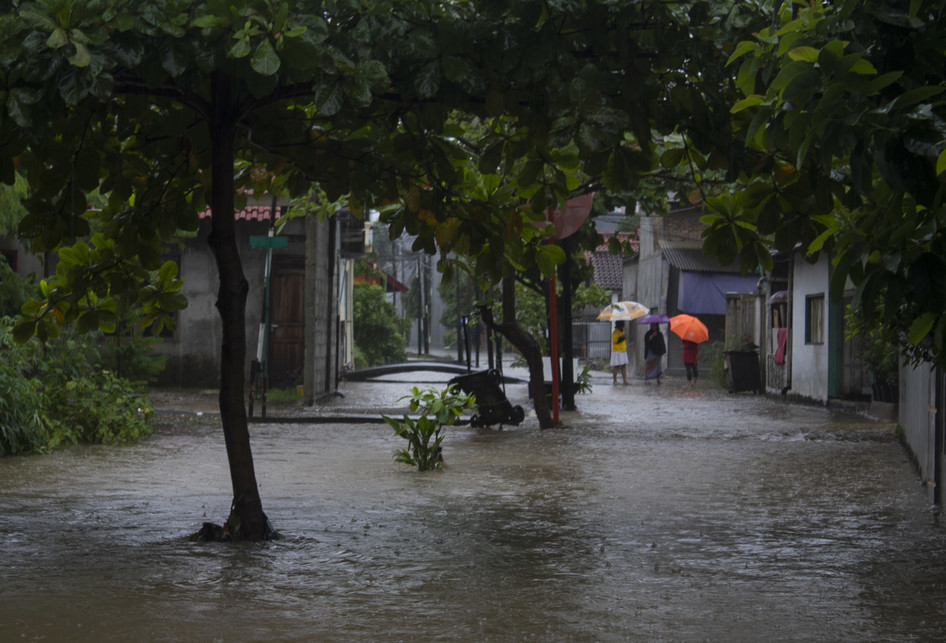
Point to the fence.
(591, 340)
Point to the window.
(814, 319)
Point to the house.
(824, 362)
(25, 263)
(670, 274)
(303, 332)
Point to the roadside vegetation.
(380, 334)
(73, 388)
(62, 393)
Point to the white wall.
(809, 361)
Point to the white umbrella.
(623, 311)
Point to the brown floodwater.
(653, 514)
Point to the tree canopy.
(837, 142)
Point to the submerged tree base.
(212, 532)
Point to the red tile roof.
(250, 213)
(609, 268)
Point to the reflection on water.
(652, 516)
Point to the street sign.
(260, 241)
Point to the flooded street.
(653, 514)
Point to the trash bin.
(743, 370)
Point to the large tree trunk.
(247, 510)
(528, 346)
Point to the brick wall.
(683, 225)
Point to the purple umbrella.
(654, 319)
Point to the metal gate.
(592, 340)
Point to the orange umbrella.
(689, 327)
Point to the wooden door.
(287, 337)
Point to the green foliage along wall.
(379, 332)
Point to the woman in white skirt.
(618, 353)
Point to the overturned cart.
(492, 407)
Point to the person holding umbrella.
(691, 360)
(692, 331)
(618, 353)
(654, 349)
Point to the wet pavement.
(654, 513)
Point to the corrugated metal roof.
(693, 259)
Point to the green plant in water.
(583, 381)
(424, 433)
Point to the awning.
(390, 282)
(394, 284)
(705, 292)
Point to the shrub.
(712, 357)
(379, 331)
(98, 409)
(82, 401)
(129, 353)
(21, 427)
(57, 393)
(14, 290)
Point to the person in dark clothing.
(691, 359)
(654, 349)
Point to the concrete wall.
(194, 349)
(646, 280)
(321, 311)
(809, 361)
(28, 264)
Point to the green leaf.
(208, 22)
(240, 49)
(921, 327)
(81, 57)
(746, 103)
(863, 67)
(742, 49)
(815, 246)
(787, 74)
(917, 95)
(941, 163)
(58, 38)
(671, 158)
(23, 331)
(427, 81)
(455, 69)
(265, 60)
(882, 81)
(807, 54)
(329, 99)
(547, 257)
